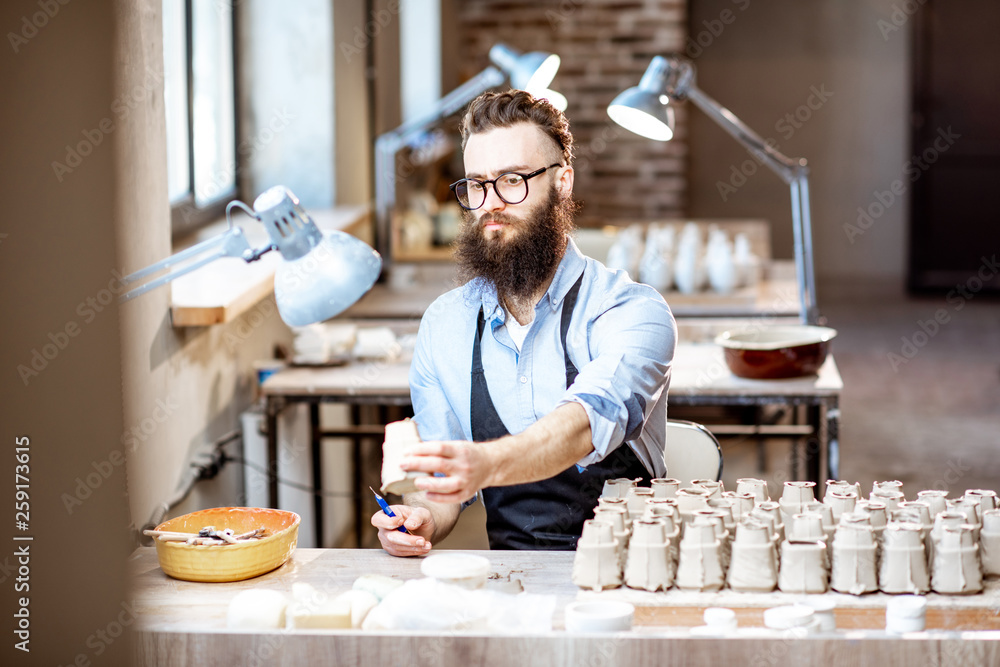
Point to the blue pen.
(385, 508)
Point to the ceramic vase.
(399, 438)
(840, 500)
(890, 485)
(617, 487)
(888, 497)
(755, 487)
(989, 543)
(957, 569)
(596, 564)
(936, 499)
(621, 525)
(636, 500)
(853, 559)
(970, 509)
(649, 566)
(922, 512)
(614, 501)
(700, 565)
(826, 515)
(753, 563)
(665, 487)
(794, 497)
(690, 499)
(803, 568)
(717, 519)
(986, 499)
(713, 486)
(742, 503)
(903, 568)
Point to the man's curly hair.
(493, 110)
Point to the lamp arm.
(231, 243)
(788, 169)
(794, 172)
(390, 143)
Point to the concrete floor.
(930, 419)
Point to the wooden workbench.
(183, 623)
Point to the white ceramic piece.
(712, 485)
(889, 497)
(906, 613)
(755, 487)
(636, 500)
(399, 437)
(465, 570)
(804, 567)
(840, 500)
(665, 487)
(796, 617)
(854, 560)
(719, 622)
(794, 497)
(656, 266)
(257, 609)
(602, 616)
(690, 499)
(903, 568)
(823, 608)
(891, 485)
(700, 564)
(986, 499)
(753, 563)
(936, 498)
(617, 487)
(989, 543)
(957, 568)
(649, 566)
(597, 564)
(612, 501)
(720, 266)
(742, 503)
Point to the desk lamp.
(323, 272)
(532, 72)
(645, 110)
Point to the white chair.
(691, 452)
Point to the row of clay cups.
(649, 562)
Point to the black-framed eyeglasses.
(511, 187)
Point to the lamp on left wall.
(323, 272)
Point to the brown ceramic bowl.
(770, 353)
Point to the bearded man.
(545, 374)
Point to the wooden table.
(183, 623)
(699, 377)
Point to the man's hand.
(418, 520)
(468, 467)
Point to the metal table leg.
(317, 470)
(273, 407)
(833, 438)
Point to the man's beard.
(516, 266)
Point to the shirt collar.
(570, 268)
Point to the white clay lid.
(788, 616)
(906, 606)
(459, 568)
(720, 617)
(604, 616)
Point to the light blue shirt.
(621, 338)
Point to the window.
(200, 102)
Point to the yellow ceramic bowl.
(231, 562)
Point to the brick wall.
(605, 46)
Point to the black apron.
(546, 515)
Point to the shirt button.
(523, 379)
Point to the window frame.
(185, 215)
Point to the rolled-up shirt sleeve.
(631, 343)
